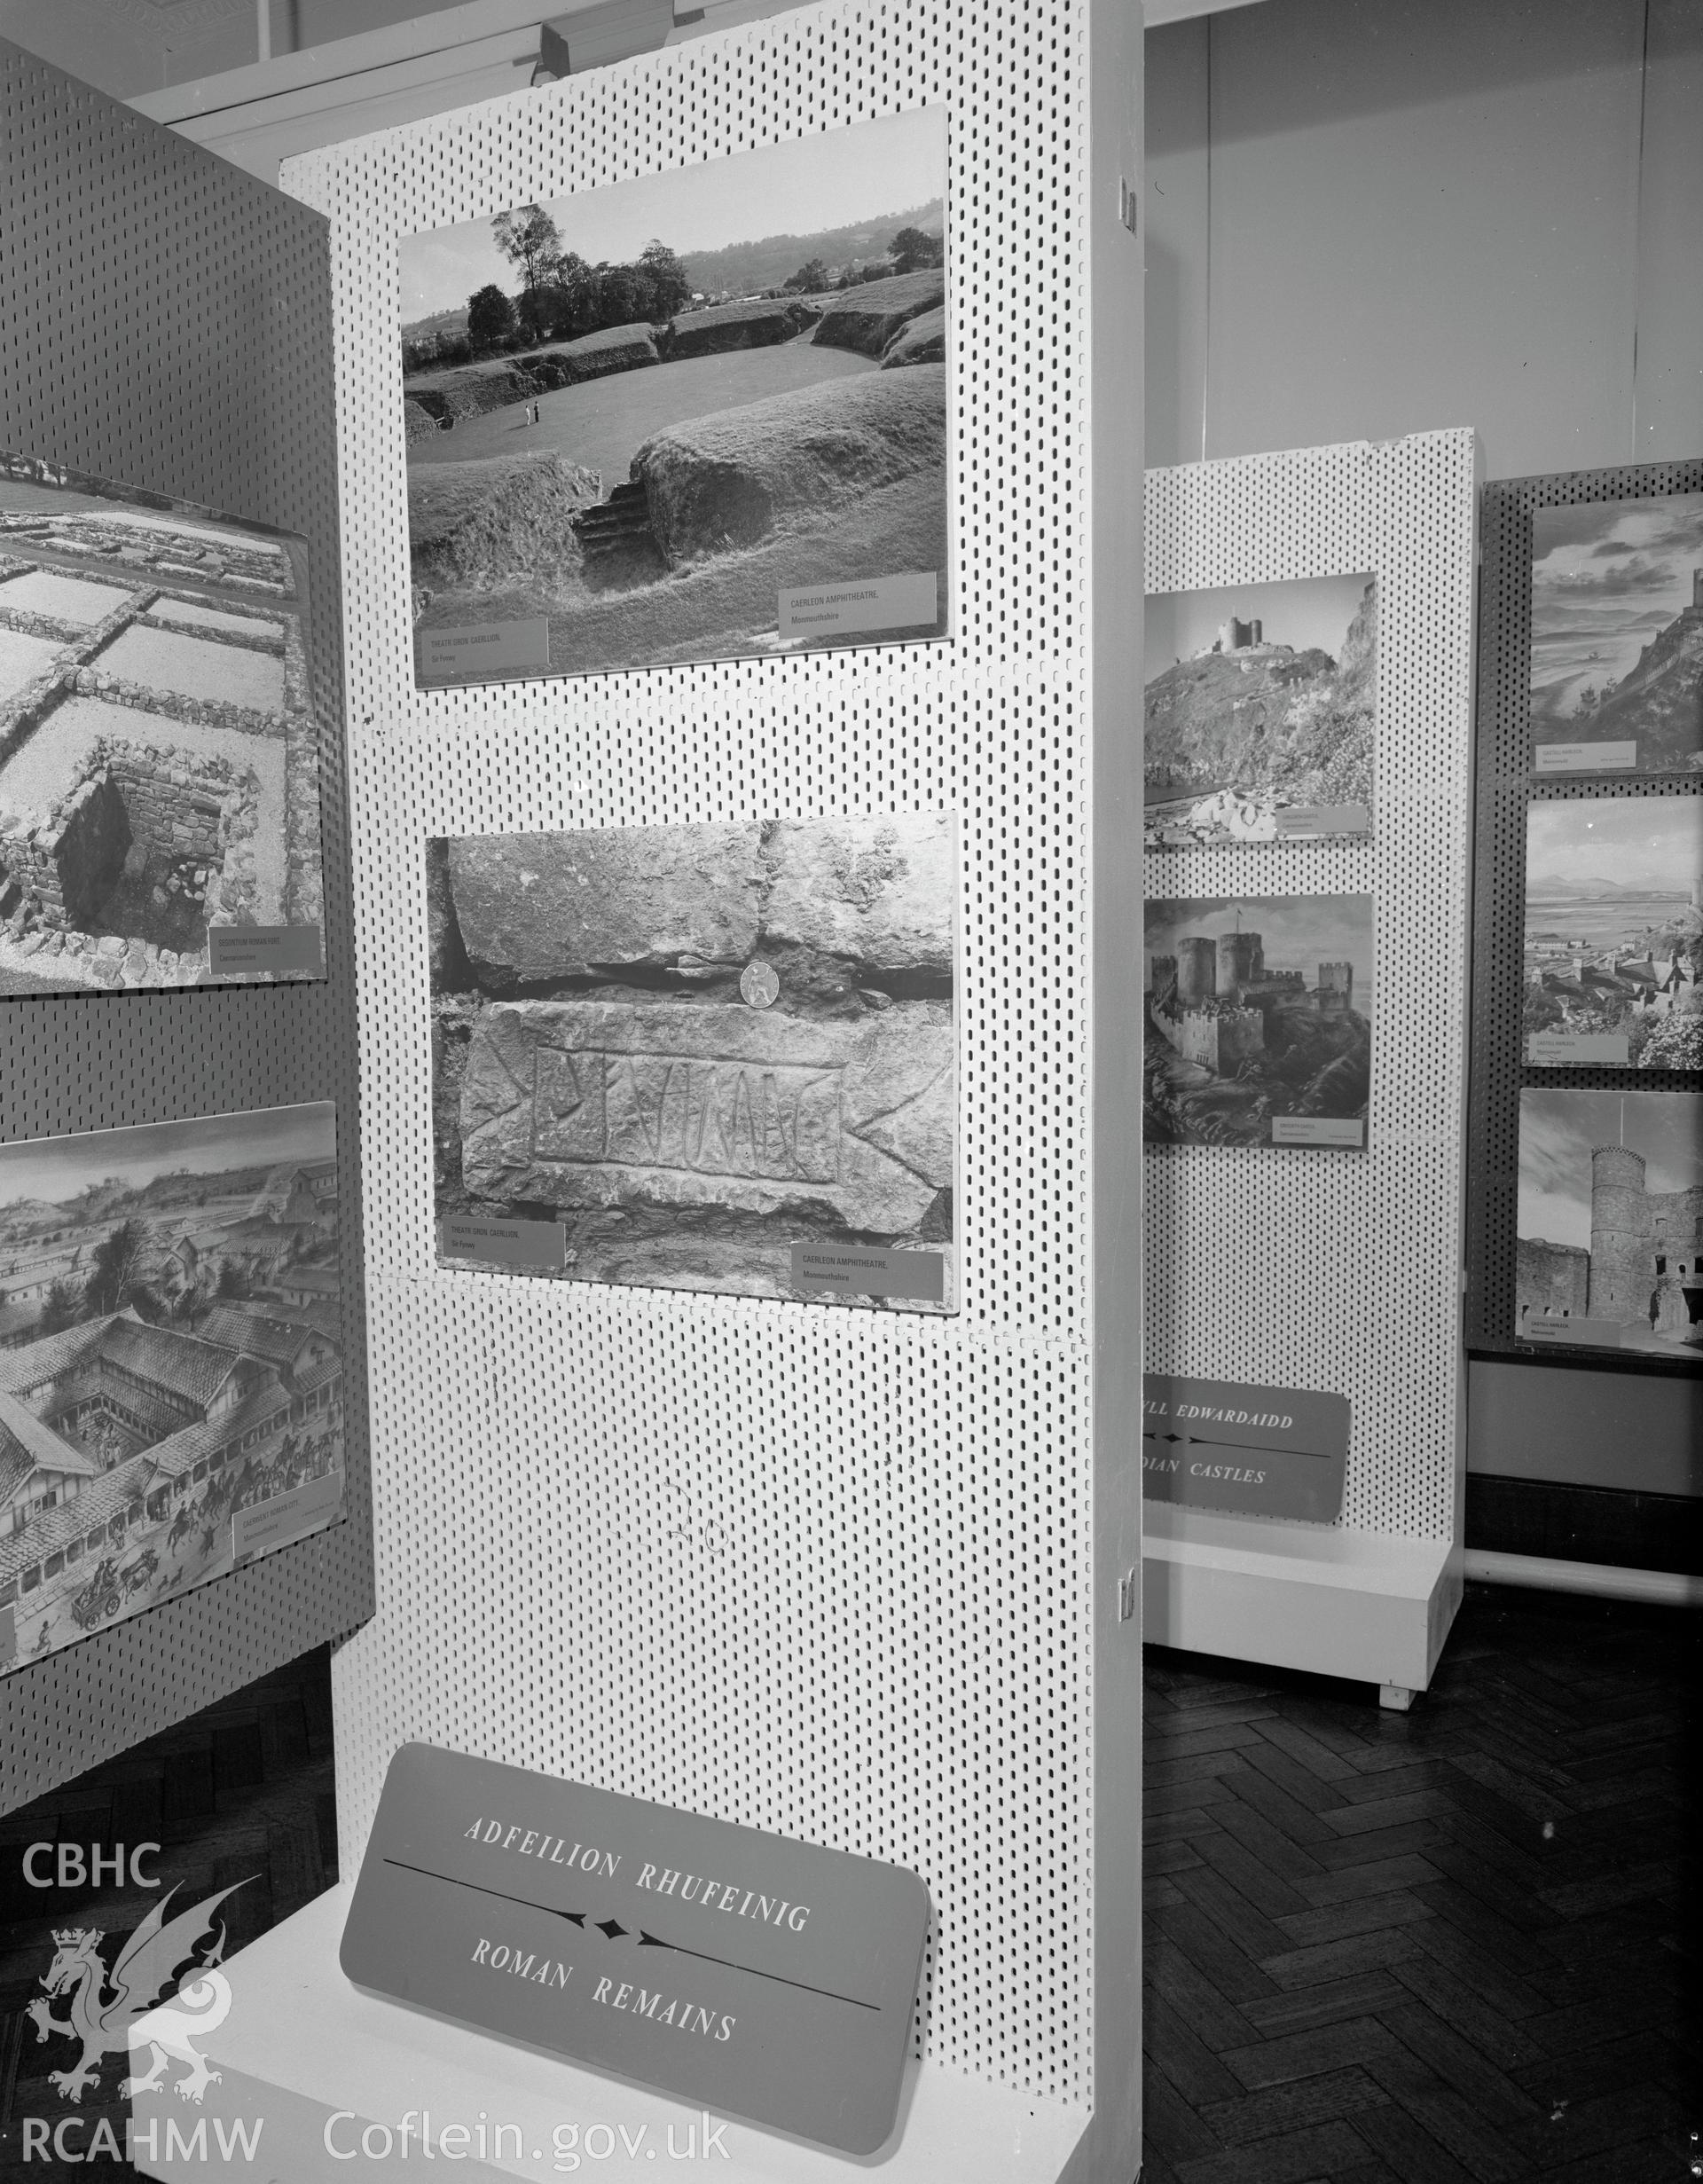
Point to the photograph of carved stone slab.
(1617, 636)
(1258, 1025)
(171, 1363)
(1614, 933)
(1610, 1249)
(643, 426)
(699, 1048)
(159, 748)
(1260, 712)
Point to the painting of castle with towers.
(1610, 1249)
(1617, 636)
(1260, 712)
(1259, 1022)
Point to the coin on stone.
(758, 984)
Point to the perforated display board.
(1284, 1266)
(1506, 786)
(791, 1565)
(166, 321)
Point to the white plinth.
(300, 2044)
(1368, 1606)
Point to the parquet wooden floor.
(1453, 1947)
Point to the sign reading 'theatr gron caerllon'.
(769, 1979)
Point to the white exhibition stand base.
(1372, 1607)
(300, 2044)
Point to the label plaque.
(1301, 822)
(862, 1271)
(1578, 1050)
(1597, 1334)
(484, 651)
(766, 1978)
(1585, 759)
(287, 951)
(1263, 1451)
(310, 1507)
(536, 1244)
(808, 611)
(1343, 1130)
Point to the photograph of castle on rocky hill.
(1617, 636)
(159, 750)
(1262, 707)
(1259, 1026)
(1609, 1230)
(1614, 933)
(171, 1363)
(701, 1049)
(644, 427)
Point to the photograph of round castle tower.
(1610, 1251)
(1257, 1009)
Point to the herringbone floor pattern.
(1454, 1946)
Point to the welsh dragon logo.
(103, 2007)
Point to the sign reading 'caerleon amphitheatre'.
(1263, 1451)
(764, 1978)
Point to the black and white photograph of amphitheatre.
(159, 750)
(1617, 635)
(1260, 712)
(699, 1047)
(693, 416)
(171, 1363)
(1259, 1027)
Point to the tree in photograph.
(490, 317)
(531, 242)
(117, 1278)
(810, 279)
(1673, 1042)
(62, 1307)
(669, 285)
(234, 1282)
(911, 249)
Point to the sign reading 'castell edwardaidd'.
(1263, 1451)
(768, 1978)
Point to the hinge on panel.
(1129, 204)
(1128, 1593)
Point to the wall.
(1368, 217)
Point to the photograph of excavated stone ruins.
(171, 1361)
(1262, 707)
(1609, 1249)
(1258, 1027)
(159, 760)
(643, 426)
(701, 1047)
(1617, 636)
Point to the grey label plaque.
(766, 1978)
(1303, 822)
(1585, 757)
(812, 611)
(1263, 1451)
(262, 1526)
(536, 1244)
(484, 651)
(244, 951)
(857, 1272)
(1578, 1050)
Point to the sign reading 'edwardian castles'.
(1263, 1451)
(767, 1978)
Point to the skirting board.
(1372, 1606)
(301, 2047)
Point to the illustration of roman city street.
(1258, 1027)
(1609, 1249)
(1260, 708)
(701, 1047)
(638, 419)
(1617, 634)
(171, 1361)
(159, 761)
(1614, 931)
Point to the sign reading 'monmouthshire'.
(767, 1978)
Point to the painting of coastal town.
(1259, 1023)
(159, 748)
(1262, 707)
(1614, 933)
(715, 1058)
(1617, 636)
(1610, 1228)
(171, 1363)
(650, 423)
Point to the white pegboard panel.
(1331, 1270)
(165, 321)
(824, 1571)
